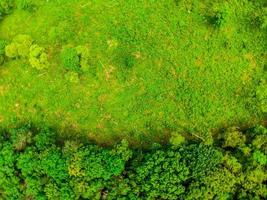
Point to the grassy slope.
(156, 67)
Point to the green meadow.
(152, 68)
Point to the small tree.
(11, 50)
(38, 58)
(19, 47)
(177, 139)
(70, 59)
(234, 138)
(75, 59)
(6, 6)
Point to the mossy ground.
(156, 67)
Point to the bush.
(219, 15)
(20, 47)
(6, 7)
(260, 157)
(234, 138)
(75, 59)
(11, 51)
(38, 58)
(70, 59)
(177, 139)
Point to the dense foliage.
(140, 70)
(34, 164)
(75, 59)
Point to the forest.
(34, 164)
(131, 99)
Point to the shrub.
(260, 157)
(70, 59)
(6, 6)
(234, 138)
(23, 43)
(22, 47)
(76, 59)
(232, 164)
(219, 15)
(259, 141)
(177, 139)
(19, 47)
(38, 58)
(11, 50)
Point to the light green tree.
(20, 47)
(38, 58)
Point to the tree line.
(35, 164)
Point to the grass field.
(155, 67)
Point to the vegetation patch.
(139, 70)
(165, 91)
(35, 165)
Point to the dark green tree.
(70, 59)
